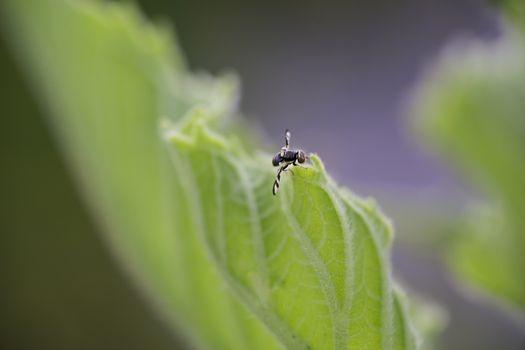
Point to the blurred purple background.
(333, 70)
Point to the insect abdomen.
(277, 159)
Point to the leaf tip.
(318, 165)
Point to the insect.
(285, 158)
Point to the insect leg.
(277, 181)
(299, 165)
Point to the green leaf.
(431, 318)
(188, 207)
(473, 106)
(514, 10)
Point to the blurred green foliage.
(472, 108)
(60, 289)
(188, 208)
(514, 10)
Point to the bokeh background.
(339, 74)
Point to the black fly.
(285, 158)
